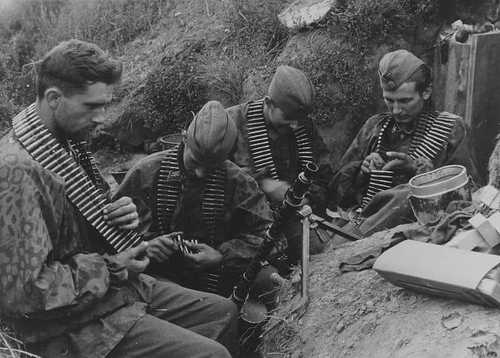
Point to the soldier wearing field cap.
(195, 190)
(276, 139)
(391, 147)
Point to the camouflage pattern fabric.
(285, 155)
(246, 211)
(349, 185)
(51, 284)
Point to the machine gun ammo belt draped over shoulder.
(80, 187)
(429, 139)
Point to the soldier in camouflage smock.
(212, 201)
(60, 290)
(276, 140)
(398, 142)
(287, 141)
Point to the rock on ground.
(303, 13)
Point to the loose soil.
(359, 314)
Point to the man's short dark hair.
(422, 78)
(73, 65)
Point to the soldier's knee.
(231, 310)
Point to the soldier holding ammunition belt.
(62, 288)
(220, 209)
(276, 140)
(391, 147)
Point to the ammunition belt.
(87, 161)
(85, 194)
(168, 189)
(258, 141)
(429, 139)
(212, 207)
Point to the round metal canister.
(432, 192)
(170, 140)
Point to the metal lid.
(438, 181)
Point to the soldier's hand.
(122, 213)
(400, 162)
(203, 256)
(371, 162)
(135, 258)
(162, 247)
(274, 189)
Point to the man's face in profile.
(79, 113)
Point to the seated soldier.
(276, 140)
(392, 147)
(195, 190)
(63, 289)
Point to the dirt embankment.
(359, 314)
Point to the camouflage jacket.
(285, 155)
(246, 211)
(349, 184)
(58, 291)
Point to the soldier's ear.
(268, 101)
(426, 94)
(53, 96)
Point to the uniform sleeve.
(348, 183)
(250, 215)
(33, 283)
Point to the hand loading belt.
(258, 141)
(430, 138)
(81, 191)
(212, 205)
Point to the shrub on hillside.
(109, 23)
(255, 31)
(175, 90)
(167, 100)
(365, 22)
(224, 77)
(345, 85)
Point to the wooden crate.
(467, 82)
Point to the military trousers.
(181, 322)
